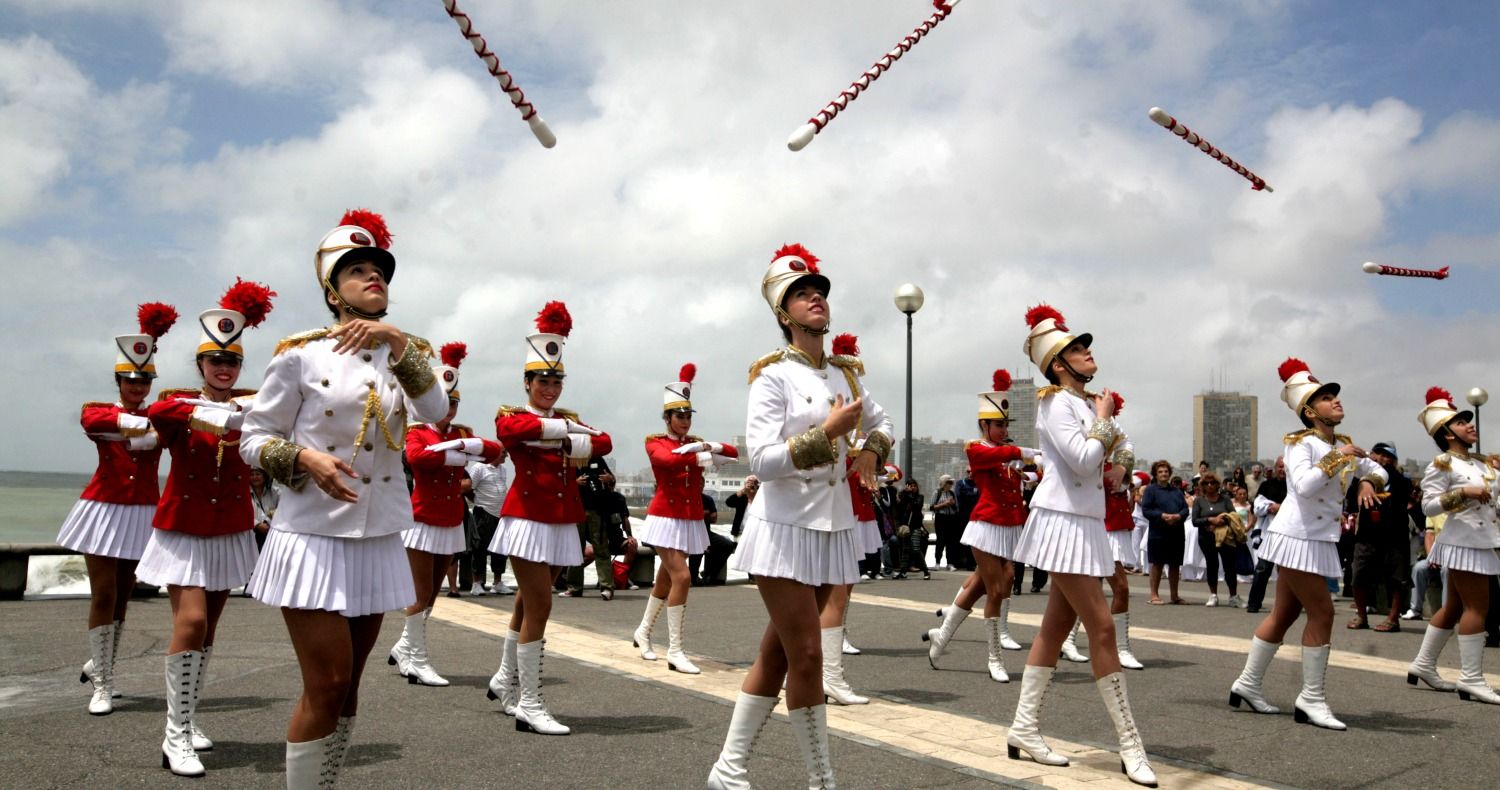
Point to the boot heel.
(925, 637)
(1299, 716)
(490, 695)
(939, 613)
(1235, 700)
(390, 660)
(1010, 751)
(522, 726)
(83, 677)
(411, 680)
(164, 762)
(1411, 680)
(1463, 695)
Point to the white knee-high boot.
(1133, 762)
(835, 687)
(177, 752)
(1424, 666)
(1005, 641)
(676, 659)
(641, 639)
(531, 711)
(418, 668)
(1312, 704)
(1122, 639)
(1070, 647)
(938, 638)
(505, 684)
(810, 728)
(88, 666)
(1471, 682)
(996, 661)
(1024, 735)
(343, 734)
(201, 742)
(101, 669)
(1247, 687)
(310, 765)
(732, 770)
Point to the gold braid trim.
(879, 444)
(764, 362)
(811, 448)
(375, 411)
(412, 369)
(1123, 458)
(848, 363)
(1048, 391)
(1444, 462)
(1297, 436)
(300, 339)
(1452, 500)
(219, 456)
(278, 458)
(1104, 431)
(1333, 462)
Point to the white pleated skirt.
(351, 576)
(1122, 543)
(992, 539)
(869, 537)
(434, 540)
(105, 529)
(1060, 542)
(1465, 558)
(535, 541)
(684, 534)
(221, 562)
(783, 551)
(1299, 554)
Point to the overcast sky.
(155, 150)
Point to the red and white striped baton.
(815, 124)
(508, 84)
(1172, 125)
(1397, 271)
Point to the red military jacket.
(437, 495)
(1119, 507)
(1000, 498)
(124, 476)
(545, 488)
(208, 485)
(679, 479)
(864, 501)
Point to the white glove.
(720, 460)
(577, 427)
(236, 419)
(553, 428)
(692, 447)
(443, 447)
(473, 445)
(133, 425)
(208, 404)
(580, 449)
(455, 458)
(705, 460)
(138, 443)
(217, 420)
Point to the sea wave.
(57, 576)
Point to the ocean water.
(33, 506)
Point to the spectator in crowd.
(945, 522)
(1252, 483)
(263, 493)
(910, 549)
(1165, 509)
(967, 492)
(1212, 513)
(614, 513)
(1265, 506)
(1243, 560)
(739, 501)
(886, 499)
(1421, 570)
(720, 546)
(1038, 576)
(488, 481)
(592, 535)
(1236, 479)
(1382, 544)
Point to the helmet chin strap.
(804, 327)
(1082, 379)
(349, 308)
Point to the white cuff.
(455, 458)
(473, 445)
(133, 425)
(580, 448)
(553, 428)
(715, 447)
(138, 443)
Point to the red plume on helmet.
(1001, 380)
(846, 345)
(1042, 312)
(688, 372)
(250, 299)
(372, 222)
(453, 354)
(1291, 367)
(554, 319)
(1119, 401)
(156, 318)
(801, 252)
(1438, 393)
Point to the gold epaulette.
(1048, 391)
(422, 345)
(566, 415)
(651, 437)
(765, 361)
(506, 411)
(95, 404)
(1297, 436)
(178, 392)
(848, 362)
(300, 339)
(1444, 462)
(464, 431)
(561, 414)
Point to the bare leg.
(792, 647)
(674, 564)
(189, 618)
(1119, 591)
(1086, 599)
(325, 654)
(993, 581)
(832, 613)
(534, 580)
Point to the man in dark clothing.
(592, 535)
(1382, 543)
(719, 547)
(968, 496)
(1265, 506)
(739, 502)
(614, 514)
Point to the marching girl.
(835, 613)
(1464, 487)
(1065, 536)
(1302, 543)
(674, 520)
(539, 520)
(111, 522)
(331, 412)
(202, 546)
(1119, 526)
(799, 540)
(993, 531)
(437, 454)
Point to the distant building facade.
(1225, 428)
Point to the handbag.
(621, 572)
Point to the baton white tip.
(1371, 267)
(1267, 188)
(1160, 116)
(543, 133)
(801, 137)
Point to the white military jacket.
(1317, 478)
(1470, 523)
(802, 471)
(354, 406)
(1073, 444)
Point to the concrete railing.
(15, 560)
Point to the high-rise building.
(931, 460)
(1224, 429)
(1023, 412)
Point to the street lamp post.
(909, 300)
(1477, 397)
